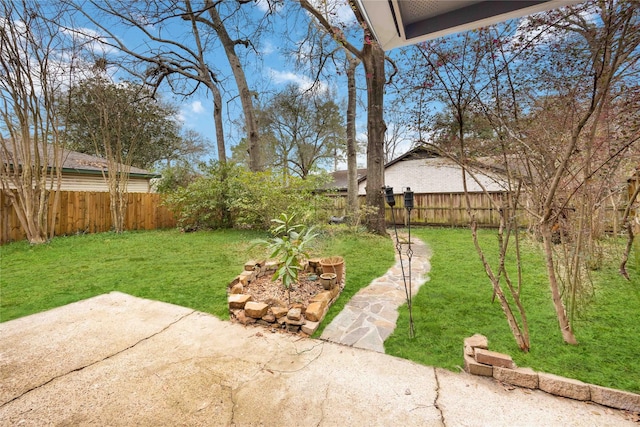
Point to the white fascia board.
(388, 28)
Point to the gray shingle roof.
(73, 161)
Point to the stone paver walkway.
(370, 316)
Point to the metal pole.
(407, 289)
(410, 293)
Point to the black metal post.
(392, 202)
(408, 204)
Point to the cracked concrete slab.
(90, 331)
(119, 360)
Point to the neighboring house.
(425, 172)
(340, 181)
(83, 172)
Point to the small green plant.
(289, 246)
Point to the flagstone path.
(370, 316)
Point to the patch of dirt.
(272, 292)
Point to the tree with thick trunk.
(352, 152)
(373, 59)
(184, 66)
(246, 98)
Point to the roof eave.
(385, 21)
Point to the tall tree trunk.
(352, 161)
(373, 60)
(217, 119)
(211, 82)
(251, 123)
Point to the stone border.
(478, 360)
(297, 318)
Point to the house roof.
(397, 23)
(86, 164)
(426, 171)
(80, 163)
(340, 179)
(419, 152)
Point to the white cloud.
(337, 12)
(90, 39)
(263, 5)
(267, 48)
(303, 82)
(196, 107)
(187, 112)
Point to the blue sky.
(269, 64)
(269, 68)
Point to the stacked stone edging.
(293, 319)
(478, 360)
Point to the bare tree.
(246, 97)
(559, 97)
(455, 70)
(397, 134)
(183, 63)
(373, 58)
(34, 61)
(307, 127)
(352, 144)
(605, 60)
(316, 52)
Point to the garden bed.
(254, 298)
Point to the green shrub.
(231, 196)
(176, 176)
(202, 204)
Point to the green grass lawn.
(456, 303)
(187, 269)
(193, 270)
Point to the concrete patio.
(120, 360)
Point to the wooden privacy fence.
(88, 212)
(450, 209)
(437, 209)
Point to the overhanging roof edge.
(379, 17)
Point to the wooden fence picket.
(88, 212)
